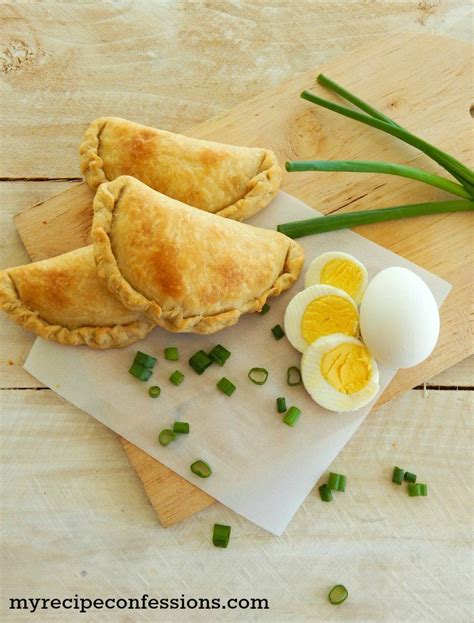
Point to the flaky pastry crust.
(61, 299)
(235, 182)
(187, 270)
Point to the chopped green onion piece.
(171, 353)
(177, 377)
(423, 489)
(322, 224)
(265, 309)
(414, 489)
(226, 386)
(258, 376)
(200, 361)
(221, 535)
(409, 477)
(292, 416)
(293, 376)
(154, 391)
(140, 372)
(219, 354)
(325, 493)
(338, 594)
(201, 469)
(397, 476)
(278, 332)
(147, 361)
(166, 436)
(181, 427)
(281, 405)
(337, 482)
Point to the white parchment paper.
(262, 469)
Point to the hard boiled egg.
(317, 311)
(399, 318)
(339, 270)
(339, 373)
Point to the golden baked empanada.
(235, 182)
(188, 270)
(62, 299)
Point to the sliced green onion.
(338, 594)
(147, 361)
(414, 489)
(278, 332)
(337, 482)
(154, 391)
(219, 354)
(322, 224)
(171, 353)
(166, 436)
(181, 427)
(325, 493)
(281, 405)
(265, 309)
(258, 376)
(375, 166)
(293, 376)
(201, 469)
(177, 377)
(292, 416)
(226, 386)
(140, 372)
(409, 477)
(397, 476)
(200, 361)
(220, 535)
(423, 489)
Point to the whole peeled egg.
(399, 318)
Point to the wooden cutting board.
(422, 82)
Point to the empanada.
(62, 299)
(235, 182)
(188, 270)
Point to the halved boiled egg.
(318, 311)
(339, 270)
(339, 373)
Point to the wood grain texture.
(63, 64)
(77, 517)
(295, 129)
(77, 522)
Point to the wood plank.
(63, 66)
(295, 129)
(460, 375)
(74, 517)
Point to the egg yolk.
(342, 274)
(347, 368)
(328, 314)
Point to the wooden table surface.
(76, 519)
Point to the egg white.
(313, 274)
(399, 318)
(323, 392)
(296, 308)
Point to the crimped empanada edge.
(263, 187)
(92, 166)
(94, 337)
(172, 320)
